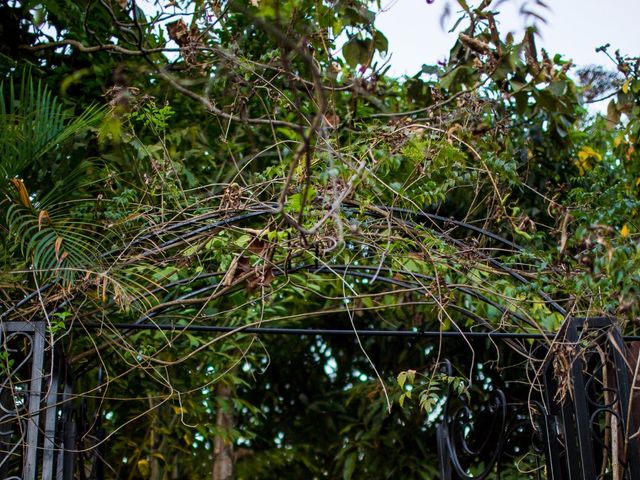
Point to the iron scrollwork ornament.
(476, 437)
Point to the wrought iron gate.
(580, 419)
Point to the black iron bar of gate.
(329, 332)
(571, 435)
(29, 414)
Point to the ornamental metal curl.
(475, 437)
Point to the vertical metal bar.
(552, 427)
(444, 451)
(66, 467)
(51, 408)
(99, 455)
(552, 457)
(69, 459)
(571, 445)
(582, 417)
(5, 429)
(30, 470)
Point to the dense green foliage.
(131, 139)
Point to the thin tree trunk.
(222, 447)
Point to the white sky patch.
(575, 28)
(414, 28)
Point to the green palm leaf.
(40, 230)
(33, 122)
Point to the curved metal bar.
(27, 299)
(238, 218)
(481, 434)
(14, 398)
(439, 218)
(16, 444)
(485, 435)
(345, 270)
(499, 418)
(24, 389)
(183, 223)
(9, 382)
(418, 286)
(433, 218)
(184, 281)
(333, 269)
(591, 389)
(205, 228)
(320, 331)
(319, 270)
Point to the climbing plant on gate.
(251, 168)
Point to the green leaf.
(447, 81)
(62, 315)
(517, 86)
(522, 233)
(430, 69)
(243, 240)
(380, 42)
(349, 466)
(357, 51)
(402, 378)
(558, 88)
(294, 202)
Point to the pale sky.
(575, 28)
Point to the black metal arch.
(431, 221)
(566, 429)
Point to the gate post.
(592, 401)
(29, 392)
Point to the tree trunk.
(222, 447)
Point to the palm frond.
(33, 122)
(55, 248)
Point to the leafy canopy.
(237, 164)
